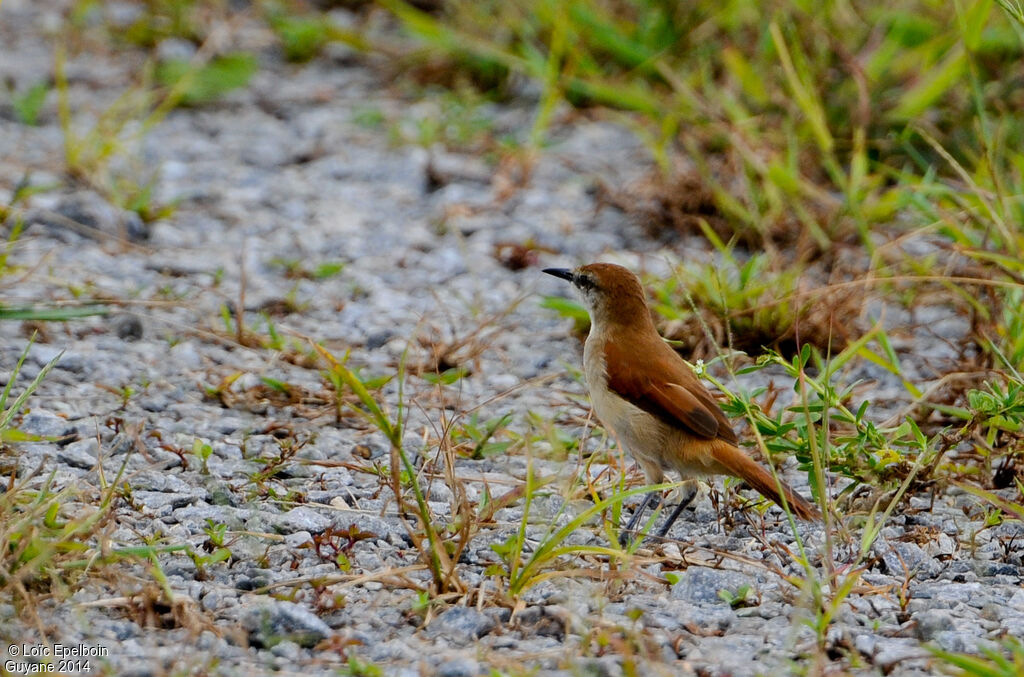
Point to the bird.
(652, 400)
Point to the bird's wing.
(667, 388)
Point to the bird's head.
(611, 293)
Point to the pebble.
(45, 424)
(301, 519)
(701, 585)
(81, 454)
(271, 621)
(462, 624)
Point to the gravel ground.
(285, 177)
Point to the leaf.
(565, 307)
(930, 88)
(446, 377)
(207, 83)
(43, 314)
(301, 37)
(27, 105)
(750, 81)
(277, 385)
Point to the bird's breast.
(637, 429)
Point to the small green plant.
(479, 435)
(523, 567)
(39, 544)
(825, 434)
(356, 667)
(159, 21)
(202, 450)
(299, 269)
(195, 85)
(421, 605)
(751, 302)
(427, 539)
(369, 117)
(202, 561)
(138, 197)
(1010, 328)
(7, 413)
(743, 597)
(446, 377)
(90, 154)
(215, 547)
(859, 448)
(215, 532)
(28, 104)
(458, 121)
(304, 36)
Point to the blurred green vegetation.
(820, 121)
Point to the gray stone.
(379, 526)
(903, 558)
(287, 649)
(1013, 625)
(297, 539)
(947, 594)
(603, 666)
(216, 600)
(81, 454)
(165, 502)
(369, 560)
(127, 327)
(957, 642)
(378, 339)
(175, 49)
(270, 622)
(711, 617)
(151, 480)
(67, 360)
(301, 518)
(462, 624)
(458, 667)
(728, 655)
(865, 643)
(700, 585)
(195, 517)
(45, 424)
(931, 622)
(186, 355)
(1017, 601)
(87, 213)
(890, 651)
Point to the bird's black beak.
(563, 273)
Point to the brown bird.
(660, 411)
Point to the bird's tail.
(738, 463)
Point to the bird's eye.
(584, 282)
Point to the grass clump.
(753, 304)
(41, 544)
(795, 121)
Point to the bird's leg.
(626, 533)
(690, 488)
